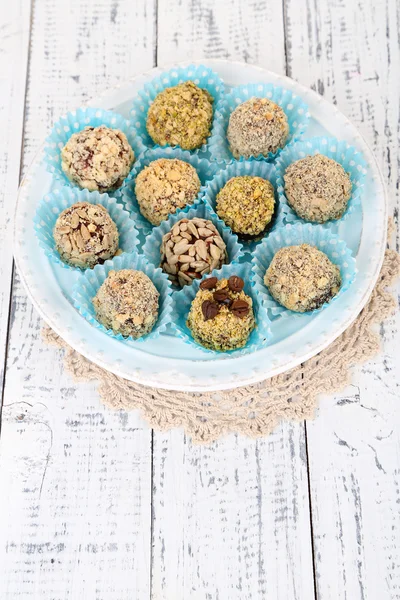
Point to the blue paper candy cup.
(52, 205)
(294, 107)
(256, 169)
(346, 155)
(182, 301)
(204, 168)
(75, 121)
(88, 284)
(202, 76)
(294, 235)
(151, 248)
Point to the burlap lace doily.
(254, 410)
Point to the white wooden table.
(93, 504)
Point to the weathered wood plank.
(76, 519)
(349, 51)
(231, 520)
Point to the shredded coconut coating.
(164, 186)
(97, 158)
(317, 188)
(257, 126)
(85, 235)
(181, 116)
(302, 278)
(246, 204)
(225, 331)
(127, 303)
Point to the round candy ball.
(257, 126)
(221, 315)
(164, 186)
(85, 235)
(302, 278)
(246, 204)
(127, 303)
(317, 188)
(97, 158)
(181, 116)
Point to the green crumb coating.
(246, 204)
(302, 278)
(181, 116)
(225, 331)
(127, 303)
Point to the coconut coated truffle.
(164, 186)
(246, 204)
(181, 116)
(97, 158)
(257, 126)
(127, 303)
(317, 188)
(85, 235)
(191, 249)
(221, 316)
(302, 278)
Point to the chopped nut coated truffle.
(317, 188)
(220, 318)
(164, 186)
(127, 303)
(85, 235)
(181, 116)
(246, 204)
(97, 158)
(302, 278)
(258, 126)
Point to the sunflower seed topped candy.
(85, 235)
(191, 249)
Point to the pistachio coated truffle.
(191, 249)
(221, 316)
(164, 186)
(302, 278)
(317, 188)
(97, 158)
(257, 126)
(181, 116)
(246, 204)
(85, 235)
(127, 303)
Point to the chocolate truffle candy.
(85, 235)
(302, 278)
(258, 126)
(191, 249)
(181, 116)
(164, 186)
(97, 158)
(220, 318)
(127, 303)
(317, 188)
(246, 204)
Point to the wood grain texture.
(349, 51)
(76, 520)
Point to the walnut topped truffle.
(127, 303)
(164, 186)
(85, 235)
(246, 204)
(317, 188)
(302, 278)
(191, 249)
(257, 126)
(221, 316)
(181, 116)
(97, 158)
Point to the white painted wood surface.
(93, 504)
